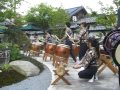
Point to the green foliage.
(4, 45)
(17, 37)
(14, 53)
(10, 77)
(46, 16)
(93, 13)
(108, 16)
(8, 10)
(117, 3)
(6, 67)
(59, 32)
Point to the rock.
(0, 71)
(25, 68)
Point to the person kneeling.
(88, 65)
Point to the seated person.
(88, 63)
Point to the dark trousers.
(69, 43)
(88, 72)
(83, 49)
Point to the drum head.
(51, 44)
(63, 45)
(76, 45)
(116, 54)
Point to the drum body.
(110, 41)
(76, 49)
(62, 51)
(50, 48)
(36, 47)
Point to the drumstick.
(57, 38)
(70, 38)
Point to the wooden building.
(76, 13)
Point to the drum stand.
(106, 62)
(61, 77)
(56, 61)
(47, 55)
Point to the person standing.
(48, 37)
(82, 36)
(68, 39)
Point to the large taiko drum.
(50, 48)
(62, 51)
(110, 41)
(76, 49)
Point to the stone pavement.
(107, 80)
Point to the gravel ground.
(39, 82)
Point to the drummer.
(48, 37)
(68, 38)
(83, 36)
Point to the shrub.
(14, 53)
(4, 45)
(5, 67)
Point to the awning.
(3, 27)
(30, 27)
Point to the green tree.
(47, 16)
(16, 37)
(117, 3)
(8, 9)
(108, 16)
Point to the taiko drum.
(50, 48)
(62, 51)
(110, 41)
(36, 47)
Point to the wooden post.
(119, 74)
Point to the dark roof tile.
(73, 11)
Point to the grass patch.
(8, 77)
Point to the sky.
(93, 4)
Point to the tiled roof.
(6, 23)
(87, 20)
(99, 28)
(74, 25)
(73, 11)
(34, 32)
